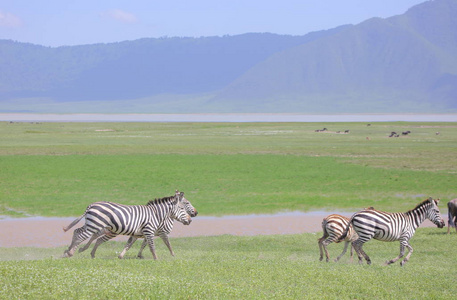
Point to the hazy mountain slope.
(406, 63)
(398, 62)
(137, 68)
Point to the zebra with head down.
(162, 231)
(389, 227)
(333, 227)
(132, 220)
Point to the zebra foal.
(163, 230)
(133, 220)
(333, 227)
(389, 227)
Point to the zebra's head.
(187, 205)
(433, 213)
(179, 212)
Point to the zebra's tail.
(66, 228)
(324, 228)
(345, 233)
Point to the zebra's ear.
(178, 196)
(437, 201)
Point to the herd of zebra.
(370, 224)
(106, 220)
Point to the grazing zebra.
(389, 227)
(162, 231)
(452, 215)
(133, 220)
(333, 227)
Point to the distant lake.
(261, 117)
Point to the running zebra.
(133, 220)
(333, 227)
(389, 227)
(162, 231)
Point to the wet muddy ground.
(47, 232)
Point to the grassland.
(228, 267)
(57, 169)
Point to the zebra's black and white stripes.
(389, 227)
(133, 220)
(162, 231)
(333, 227)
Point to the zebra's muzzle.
(187, 221)
(441, 224)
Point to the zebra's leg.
(104, 238)
(150, 240)
(79, 235)
(321, 251)
(402, 253)
(408, 255)
(164, 238)
(143, 245)
(324, 246)
(93, 238)
(344, 251)
(360, 253)
(321, 246)
(352, 251)
(127, 246)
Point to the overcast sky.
(59, 22)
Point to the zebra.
(452, 215)
(162, 231)
(133, 220)
(333, 227)
(389, 227)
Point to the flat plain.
(57, 169)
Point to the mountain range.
(405, 63)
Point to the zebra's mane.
(423, 203)
(161, 200)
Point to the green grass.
(57, 169)
(229, 267)
(215, 184)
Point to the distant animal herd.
(392, 133)
(106, 220)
